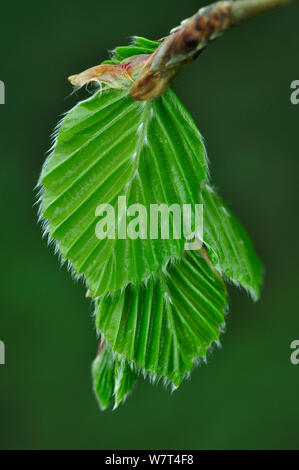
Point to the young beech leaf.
(159, 307)
(110, 146)
(166, 323)
(125, 378)
(229, 246)
(113, 378)
(140, 46)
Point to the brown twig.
(185, 42)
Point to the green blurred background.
(239, 94)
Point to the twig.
(187, 41)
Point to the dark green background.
(239, 94)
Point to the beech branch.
(187, 41)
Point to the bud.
(119, 75)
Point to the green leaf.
(103, 375)
(228, 244)
(110, 146)
(125, 379)
(167, 305)
(112, 377)
(140, 46)
(140, 41)
(166, 323)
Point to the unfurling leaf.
(166, 323)
(229, 246)
(113, 378)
